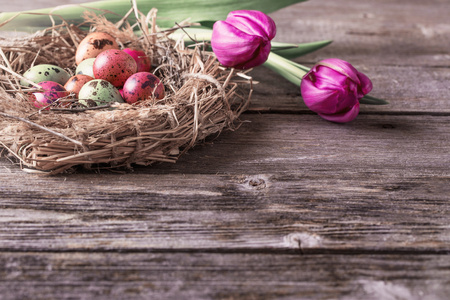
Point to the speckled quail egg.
(114, 66)
(45, 72)
(93, 44)
(144, 63)
(51, 91)
(142, 86)
(86, 67)
(75, 83)
(99, 92)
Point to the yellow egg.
(93, 44)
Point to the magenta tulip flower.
(242, 41)
(333, 88)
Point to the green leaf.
(169, 11)
(300, 50)
(372, 100)
(207, 23)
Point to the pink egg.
(121, 93)
(142, 86)
(52, 91)
(114, 66)
(144, 63)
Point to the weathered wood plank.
(366, 203)
(408, 89)
(378, 184)
(222, 276)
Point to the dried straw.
(202, 98)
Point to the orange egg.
(93, 44)
(75, 83)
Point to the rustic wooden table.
(289, 206)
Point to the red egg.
(75, 83)
(51, 91)
(93, 44)
(144, 63)
(114, 66)
(142, 86)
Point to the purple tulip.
(332, 88)
(242, 41)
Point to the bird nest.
(202, 99)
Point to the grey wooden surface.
(288, 206)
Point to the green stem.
(285, 68)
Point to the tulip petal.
(322, 94)
(317, 99)
(344, 117)
(365, 84)
(242, 41)
(332, 88)
(259, 57)
(235, 48)
(329, 78)
(253, 22)
(342, 67)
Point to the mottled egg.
(142, 86)
(93, 44)
(45, 72)
(114, 66)
(86, 67)
(75, 83)
(144, 63)
(51, 91)
(98, 92)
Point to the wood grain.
(288, 206)
(222, 276)
(276, 194)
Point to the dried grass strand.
(202, 99)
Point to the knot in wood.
(257, 183)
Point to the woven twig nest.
(202, 99)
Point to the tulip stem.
(286, 68)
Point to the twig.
(42, 128)
(80, 109)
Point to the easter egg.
(142, 86)
(86, 67)
(114, 66)
(51, 91)
(45, 72)
(98, 92)
(93, 44)
(75, 83)
(143, 62)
